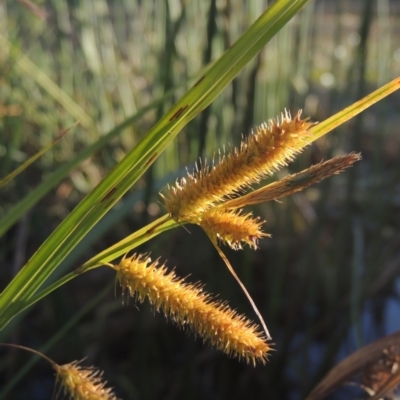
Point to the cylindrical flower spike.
(267, 149)
(188, 305)
(82, 383)
(232, 227)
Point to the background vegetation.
(326, 283)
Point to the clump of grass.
(210, 205)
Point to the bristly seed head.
(83, 383)
(189, 306)
(269, 148)
(232, 227)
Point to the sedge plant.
(212, 197)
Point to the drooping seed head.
(190, 307)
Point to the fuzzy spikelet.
(266, 150)
(83, 384)
(232, 227)
(187, 305)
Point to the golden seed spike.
(189, 306)
(232, 227)
(271, 146)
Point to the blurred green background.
(327, 282)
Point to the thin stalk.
(341, 117)
(232, 271)
(151, 230)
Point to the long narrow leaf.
(341, 117)
(31, 160)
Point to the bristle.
(269, 148)
(232, 227)
(189, 306)
(83, 384)
(296, 182)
